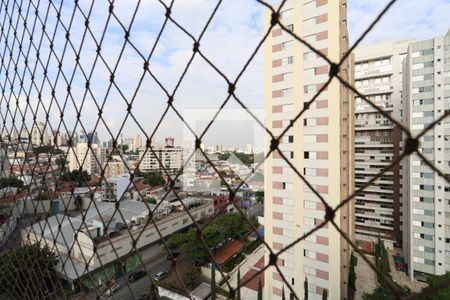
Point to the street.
(133, 290)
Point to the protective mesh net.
(53, 55)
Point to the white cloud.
(233, 34)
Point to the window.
(291, 139)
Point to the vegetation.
(259, 195)
(383, 291)
(305, 288)
(190, 276)
(325, 294)
(153, 179)
(151, 200)
(250, 247)
(47, 149)
(77, 177)
(434, 281)
(238, 296)
(213, 282)
(246, 159)
(225, 226)
(351, 272)
(11, 182)
(30, 265)
(233, 262)
(260, 293)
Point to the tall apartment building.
(320, 145)
(39, 134)
(378, 76)
(90, 159)
(169, 156)
(426, 209)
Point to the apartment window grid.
(21, 43)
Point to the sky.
(231, 37)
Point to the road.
(139, 287)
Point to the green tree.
(154, 179)
(31, 266)
(213, 281)
(325, 294)
(152, 293)
(434, 281)
(260, 291)
(283, 297)
(11, 182)
(305, 287)
(238, 296)
(75, 176)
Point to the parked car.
(136, 275)
(175, 254)
(160, 275)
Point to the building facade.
(378, 76)
(90, 158)
(169, 156)
(426, 208)
(320, 145)
(114, 188)
(39, 134)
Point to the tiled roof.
(226, 251)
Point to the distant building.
(39, 134)
(114, 168)
(89, 159)
(114, 188)
(169, 156)
(137, 142)
(90, 136)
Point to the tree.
(283, 297)
(238, 296)
(305, 287)
(30, 265)
(154, 179)
(152, 292)
(11, 182)
(213, 281)
(77, 177)
(260, 292)
(434, 281)
(325, 294)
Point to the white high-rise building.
(426, 205)
(320, 145)
(170, 157)
(378, 75)
(39, 134)
(90, 159)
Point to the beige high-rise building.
(320, 146)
